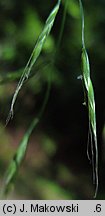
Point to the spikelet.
(34, 56)
(90, 103)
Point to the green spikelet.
(34, 56)
(90, 103)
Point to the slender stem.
(83, 24)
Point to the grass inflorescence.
(22, 148)
(34, 56)
(89, 101)
(25, 74)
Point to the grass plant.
(15, 163)
(25, 74)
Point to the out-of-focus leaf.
(73, 8)
(17, 159)
(51, 190)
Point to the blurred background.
(56, 164)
